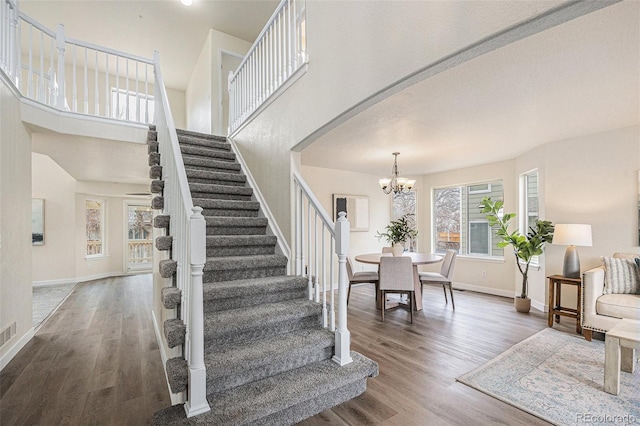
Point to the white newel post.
(60, 44)
(197, 393)
(343, 337)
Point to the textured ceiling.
(140, 27)
(581, 77)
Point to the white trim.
(52, 283)
(221, 52)
(497, 292)
(264, 208)
(302, 70)
(13, 350)
(176, 398)
(47, 283)
(485, 290)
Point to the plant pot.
(397, 249)
(522, 305)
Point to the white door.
(139, 238)
(229, 63)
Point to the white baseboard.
(481, 289)
(47, 283)
(496, 292)
(13, 350)
(176, 398)
(51, 283)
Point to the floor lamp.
(572, 235)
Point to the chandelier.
(396, 184)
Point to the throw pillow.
(621, 276)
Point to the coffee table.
(621, 343)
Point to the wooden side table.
(555, 305)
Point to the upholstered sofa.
(600, 311)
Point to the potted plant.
(525, 247)
(397, 233)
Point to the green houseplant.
(525, 247)
(397, 232)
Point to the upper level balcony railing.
(276, 57)
(73, 75)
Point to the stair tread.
(227, 204)
(211, 175)
(237, 221)
(240, 240)
(219, 360)
(288, 388)
(252, 286)
(200, 135)
(237, 262)
(234, 320)
(257, 400)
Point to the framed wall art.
(356, 207)
(37, 221)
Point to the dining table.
(416, 259)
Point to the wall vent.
(7, 333)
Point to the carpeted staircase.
(267, 356)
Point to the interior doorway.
(229, 62)
(139, 239)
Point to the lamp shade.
(572, 234)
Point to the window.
(126, 105)
(530, 210)
(95, 227)
(460, 225)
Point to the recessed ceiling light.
(186, 2)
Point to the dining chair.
(445, 277)
(360, 278)
(387, 249)
(396, 276)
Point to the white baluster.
(30, 73)
(333, 288)
(14, 48)
(85, 85)
(343, 336)
(96, 91)
(308, 263)
(107, 98)
(74, 87)
(317, 260)
(126, 84)
(137, 95)
(324, 281)
(41, 96)
(61, 43)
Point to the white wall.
(347, 68)
(204, 88)
(326, 182)
(55, 260)
(198, 93)
(15, 224)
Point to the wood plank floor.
(419, 363)
(96, 361)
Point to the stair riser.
(240, 230)
(208, 153)
(219, 196)
(240, 274)
(210, 168)
(218, 381)
(222, 251)
(203, 143)
(304, 410)
(261, 331)
(218, 305)
(230, 213)
(193, 179)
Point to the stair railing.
(187, 227)
(277, 55)
(321, 249)
(103, 82)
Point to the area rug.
(558, 377)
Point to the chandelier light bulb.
(186, 2)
